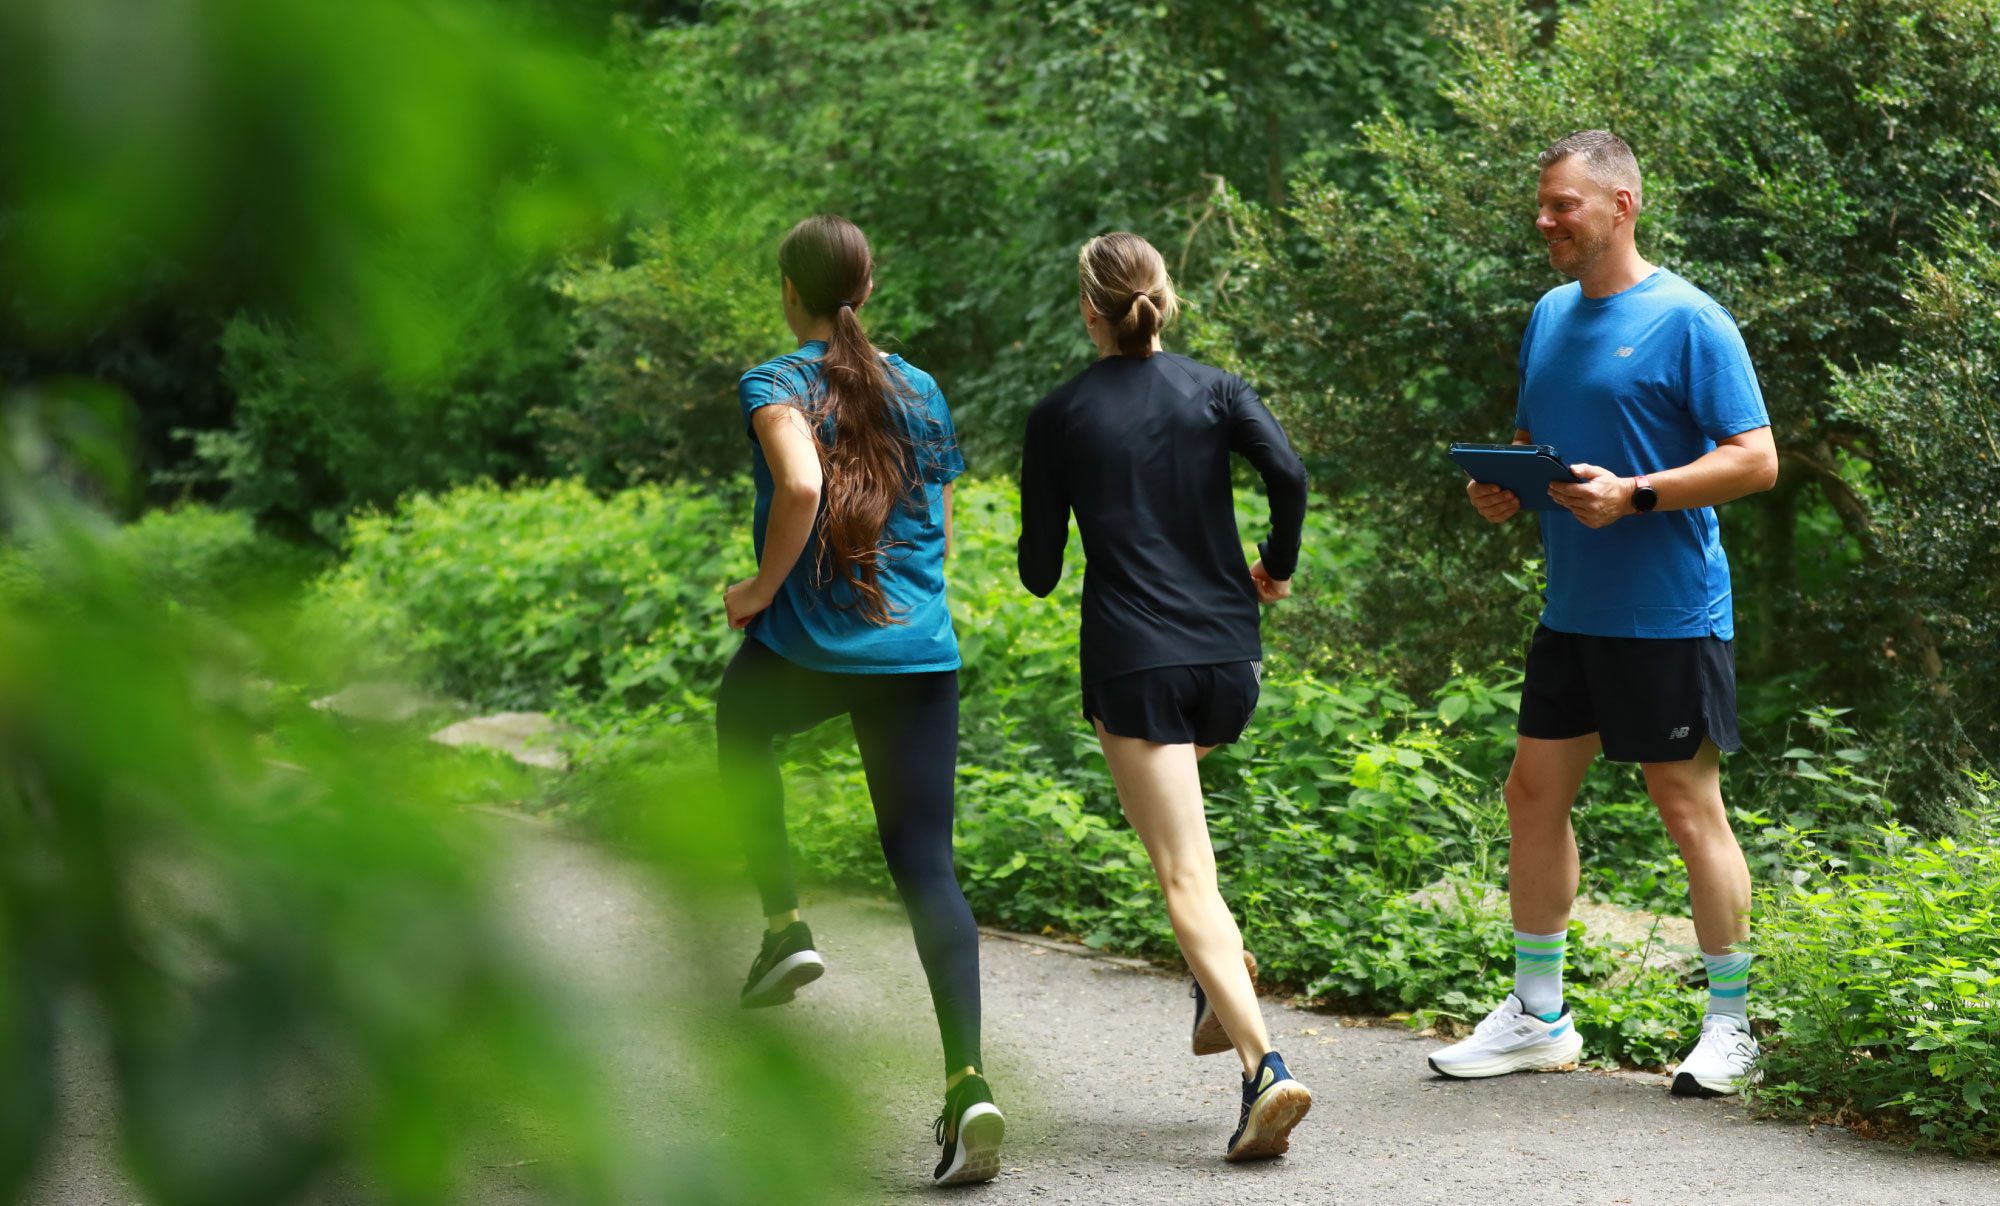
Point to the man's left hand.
(1599, 500)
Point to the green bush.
(548, 593)
(190, 556)
(1882, 964)
(317, 433)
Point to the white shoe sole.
(1559, 1056)
(980, 1131)
(1209, 1036)
(785, 979)
(1271, 1121)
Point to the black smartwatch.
(1644, 497)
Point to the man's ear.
(1627, 203)
(791, 292)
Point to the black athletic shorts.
(1649, 699)
(1177, 705)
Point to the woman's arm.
(1255, 435)
(1044, 510)
(793, 455)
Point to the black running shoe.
(970, 1130)
(1273, 1103)
(786, 963)
(1209, 1036)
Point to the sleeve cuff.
(1273, 565)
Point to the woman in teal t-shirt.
(853, 453)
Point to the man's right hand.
(1497, 503)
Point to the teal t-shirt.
(1641, 381)
(807, 623)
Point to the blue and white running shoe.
(1273, 1103)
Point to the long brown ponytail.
(866, 457)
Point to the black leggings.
(906, 726)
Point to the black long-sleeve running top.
(1139, 449)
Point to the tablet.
(1526, 469)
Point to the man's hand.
(1599, 500)
(1496, 503)
(743, 602)
(1269, 589)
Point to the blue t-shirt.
(806, 623)
(1642, 381)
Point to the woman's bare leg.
(1161, 793)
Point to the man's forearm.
(1727, 473)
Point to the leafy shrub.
(546, 593)
(192, 556)
(1883, 964)
(317, 433)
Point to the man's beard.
(1582, 256)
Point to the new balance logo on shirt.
(1621, 353)
(1679, 733)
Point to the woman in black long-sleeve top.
(1138, 447)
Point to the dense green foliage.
(387, 178)
(317, 434)
(526, 597)
(301, 955)
(1885, 962)
(194, 557)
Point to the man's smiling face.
(1576, 215)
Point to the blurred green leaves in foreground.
(314, 970)
(377, 169)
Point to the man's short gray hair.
(1605, 156)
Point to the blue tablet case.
(1526, 469)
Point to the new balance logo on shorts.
(1679, 733)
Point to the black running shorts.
(1177, 705)
(1649, 699)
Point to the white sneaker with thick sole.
(1723, 1062)
(1512, 1040)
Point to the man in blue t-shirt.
(1642, 384)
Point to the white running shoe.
(1512, 1040)
(1723, 1062)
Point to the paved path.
(1105, 1104)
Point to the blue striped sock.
(1538, 972)
(1728, 985)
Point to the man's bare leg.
(1689, 797)
(1542, 869)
